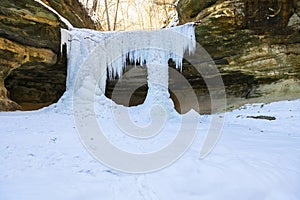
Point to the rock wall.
(255, 44)
(31, 67)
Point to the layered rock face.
(32, 70)
(255, 44)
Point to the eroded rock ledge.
(31, 67)
(255, 44)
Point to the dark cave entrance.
(35, 87)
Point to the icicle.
(126, 45)
(65, 40)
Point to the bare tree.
(116, 15)
(130, 14)
(107, 15)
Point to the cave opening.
(35, 87)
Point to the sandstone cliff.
(31, 67)
(255, 44)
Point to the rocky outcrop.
(255, 44)
(189, 9)
(31, 67)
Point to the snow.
(91, 56)
(64, 20)
(46, 154)
(42, 158)
(173, 15)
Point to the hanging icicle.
(115, 48)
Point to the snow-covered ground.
(42, 157)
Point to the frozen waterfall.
(93, 56)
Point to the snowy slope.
(42, 158)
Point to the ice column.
(158, 78)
